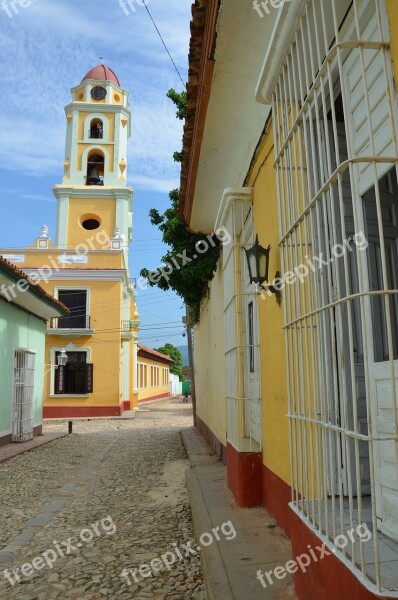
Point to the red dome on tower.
(102, 73)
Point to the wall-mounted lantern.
(258, 265)
(62, 358)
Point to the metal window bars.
(335, 132)
(23, 396)
(243, 384)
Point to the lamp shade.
(62, 358)
(258, 262)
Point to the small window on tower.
(90, 221)
(90, 224)
(96, 129)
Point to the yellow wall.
(210, 356)
(83, 146)
(272, 342)
(105, 209)
(105, 345)
(105, 304)
(392, 9)
(111, 120)
(150, 391)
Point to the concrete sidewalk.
(231, 566)
(15, 448)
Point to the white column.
(135, 364)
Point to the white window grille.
(23, 395)
(335, 130)
(242, 346)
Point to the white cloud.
(155, 185)
(54, 44)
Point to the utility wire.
(164, 44)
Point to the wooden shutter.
(89, 378)
(60, 380)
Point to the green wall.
(18, 329)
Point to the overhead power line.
(164, 44)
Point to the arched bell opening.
(96, 129)
(95, 168)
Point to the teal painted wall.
(19, 330)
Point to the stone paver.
(99, 503)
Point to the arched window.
(95, 168)
(96, 129)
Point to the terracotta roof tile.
(154, 353)
(200, 71)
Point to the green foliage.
(187, 276)
(175, 354)
(180, 100)
(177, 156)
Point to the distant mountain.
(184, 353)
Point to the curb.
(216, 581)
(215, 576)
(24, 451)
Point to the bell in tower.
(95, 170)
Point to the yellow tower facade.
(87, 265)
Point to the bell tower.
(94, 193)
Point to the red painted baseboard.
(66, 412)
(244, 477)
(126, 404)
(158, 397)
(325, 579)
(276, 497)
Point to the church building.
(86, 266)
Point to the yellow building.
(153, 372)
(293, 138)
(87, 265)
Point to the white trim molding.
(230, 196)
(69, 348)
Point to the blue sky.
(45, 50)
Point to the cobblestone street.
(109, 497)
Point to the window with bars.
(76, 301)
(242, 343)
(76, 377)
(23, 395)
(335, 130)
